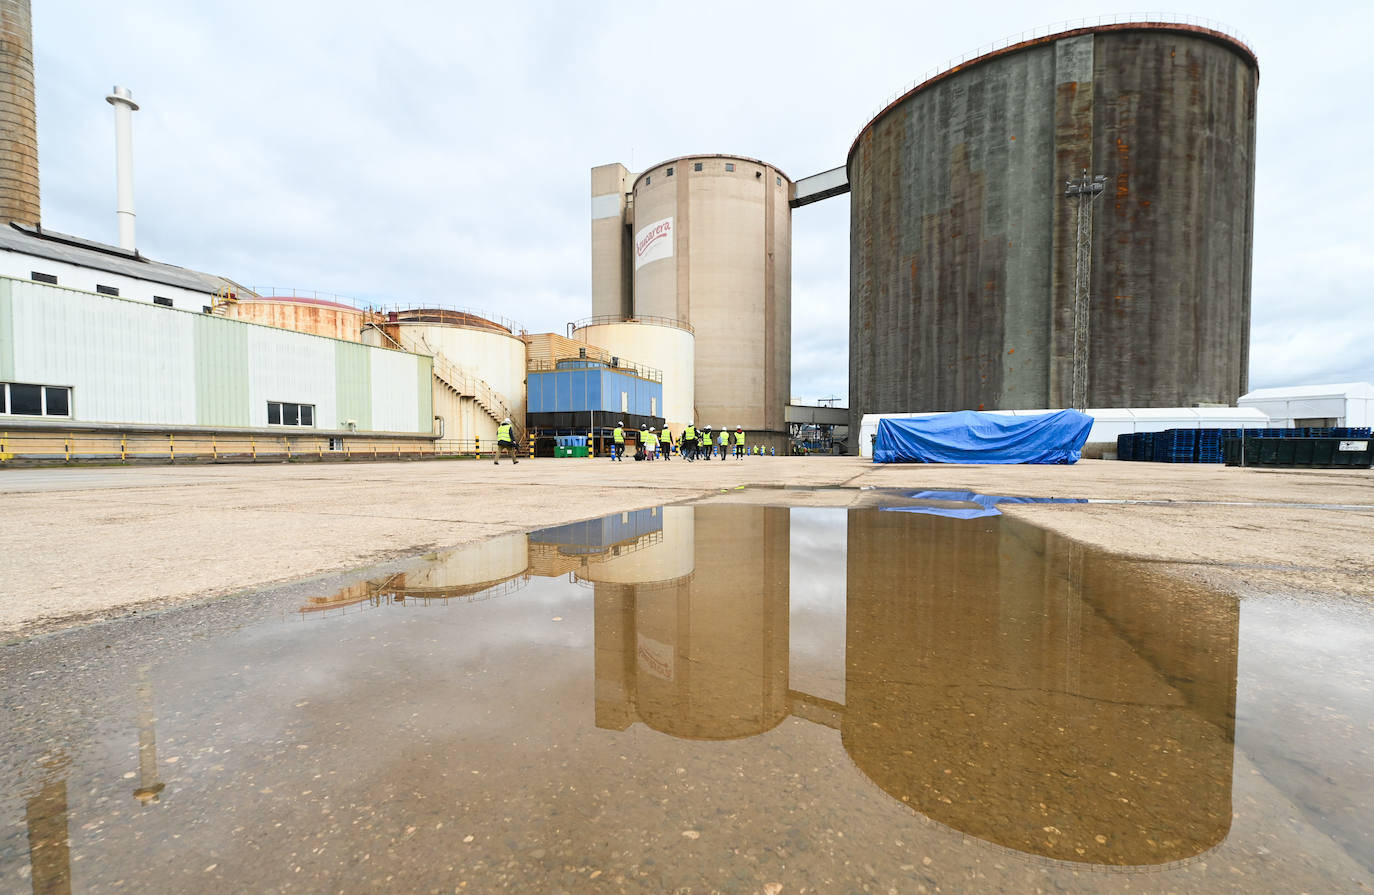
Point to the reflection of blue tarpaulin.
(968, 436)
(987, 503)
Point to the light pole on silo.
(1084, 190)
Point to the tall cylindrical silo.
(964, 247)
(711, 245)
(18, 116)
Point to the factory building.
(703, 245)
(972, 283)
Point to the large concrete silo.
(963, 243)
(18, 116)
(705, 241)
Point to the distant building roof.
(1339, 389)
(40, 243)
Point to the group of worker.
(694, 444)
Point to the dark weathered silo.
(18, 120)
(963, 244)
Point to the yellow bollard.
(531, 454)
(253, 443)
(319, 448)
(67, 446)
(172, 448)
(591, 446)
(477, 451)
(214, 448)
(287, 442)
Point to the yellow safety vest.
(651, 440)
(503, 432)
(739, 438)
(724, 438)
(690, 432)
(618, 435)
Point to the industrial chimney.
(18, 120)
(124, 104)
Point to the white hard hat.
(506, 420)
(651, 428)
(739, 427)
(620, 422)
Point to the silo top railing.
(636, 318)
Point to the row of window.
(24, 399)
(696, 166)
(51, 279)
(282, 413)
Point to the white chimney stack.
(124, 104)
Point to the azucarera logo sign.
(653, 242)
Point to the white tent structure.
(1342, 404)
(1109, 423)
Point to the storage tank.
(1007, 683)
(705, 240)
(479, 364)
(665, 555)
(963, 245)
(318, 316)
(706, 656)
(18, 117)
(667, 345)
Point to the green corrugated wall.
(6, 333)
(221, 352)
(353, 383)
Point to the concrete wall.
(670, 349)
(611, 270)
(962, 244)
(18, 117)
(131, 363)
(728, 274)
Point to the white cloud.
(440, 152)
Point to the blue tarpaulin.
(968, 436)
(986, 503)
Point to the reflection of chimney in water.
(149, 785)
(45, 814)
(18, 119)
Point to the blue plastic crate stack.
(1206, 445)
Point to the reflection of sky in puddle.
(754, 674)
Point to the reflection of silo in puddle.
(469, 569)
(1007, 683)
(710, 650)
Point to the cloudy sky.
(438, 152)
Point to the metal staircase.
(456, 378)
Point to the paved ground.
(85, 543)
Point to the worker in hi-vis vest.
(724, 442)
(504, 442)
(618, 449)
(739, 443)
(688, 445)
(650, 445)
(665, 440)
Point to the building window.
(159, 300)
(22, 399)
(670, 172)
(280, 413)
(107, 290)
(696, 166)
(648, 180)
(43, 278)
(779, 181)
(729, 166)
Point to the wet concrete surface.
(733, 698)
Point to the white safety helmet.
(506, 420)
(738, 428)
(620, 422)
(651, 428)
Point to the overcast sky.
(438, 152)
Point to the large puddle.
(710, 698)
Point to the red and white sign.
(654, 242)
